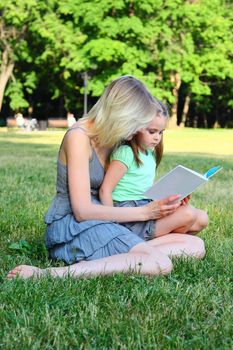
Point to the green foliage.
(53, 42)
(21, 246)
(15, 92)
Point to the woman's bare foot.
(25, 271)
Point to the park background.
(182, 50)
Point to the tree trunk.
(185, 110)
(5, 73)
(176, 81)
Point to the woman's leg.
(176, 245)
(185, 219)
(142, 258)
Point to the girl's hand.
(185, 200)
(162, 208)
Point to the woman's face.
(150, 137)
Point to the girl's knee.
(189, 215)
(202, 219)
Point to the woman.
(89, 236)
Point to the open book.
(180, 180)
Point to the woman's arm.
(76, 147)
(115, 172)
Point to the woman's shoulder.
(77, 133)
(75, 140)
(78, 127)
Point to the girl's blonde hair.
(125, 107)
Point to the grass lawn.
(190, 309)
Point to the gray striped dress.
(72, 241)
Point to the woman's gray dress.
(72, 241)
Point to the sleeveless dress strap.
(77, 127)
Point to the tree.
(165, 43)
(180, 49)
(39, 47)
(193, 47)
(15, 16)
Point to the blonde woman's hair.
(158, 150)
(125, 107)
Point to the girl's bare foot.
(25, 271)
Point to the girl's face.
(150, 137)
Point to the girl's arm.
(115, 172)
(76, 147)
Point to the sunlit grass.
(36, 137)
(207, 141)
(190, 309)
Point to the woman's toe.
(14, 272)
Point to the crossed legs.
(141, 259)
(150, 258)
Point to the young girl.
(132, 171)
(89, 236)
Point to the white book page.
(179, 180)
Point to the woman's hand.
(162, 208)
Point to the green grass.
(190, 309)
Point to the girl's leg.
(175, 244)
(185, 219)
(201, 221)
(142, 259)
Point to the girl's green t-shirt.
(137, 179)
